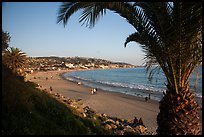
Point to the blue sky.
(33, 29)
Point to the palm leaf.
(67, 9)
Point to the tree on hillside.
(170, 33)
(15, 59)
(5, 40)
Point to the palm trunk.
(178, 113)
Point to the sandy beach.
(110, 103)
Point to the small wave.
(120, 83)
(132, 86)
(117, 84)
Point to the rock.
(141, 129)
(79, 99)
(98, 115)
(81, 110)
(128, 129)
(121, 120)
(130, 122)
(104, 115)
(83, 114)
(72, 105)
(64, 100)
(109, 121)
(107, 126)
(119, 132)
(117, 123)
(113, 126)
(94, 118)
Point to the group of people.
(137, 122)
(146, 98)
(93, 91)
(50, 77)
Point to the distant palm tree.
(5, 40)
(15, 59)
(170, 33)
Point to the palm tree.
(170, 33)
(14, 59)
(5, 40)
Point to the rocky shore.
(116, 125)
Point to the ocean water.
(132, 81)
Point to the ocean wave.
(131, 86)
(119, 86)
(116, 84)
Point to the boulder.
(109, 121)
(117, 123)
(113, 126)
(128, 129)
(104, 115)
(107, 126)
(119, 132)
(141, 129)
(83, 114)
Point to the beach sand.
(111, 103)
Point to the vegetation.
(29, 111)
(170, 34)
(5, 40)
(15, 59)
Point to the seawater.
(132, 81)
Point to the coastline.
(111, 103)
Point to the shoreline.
(140, 95)
(111, 103)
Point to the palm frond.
(91, 14)
(136, 37)
(67, 9)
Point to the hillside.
(54, 63)
(29, 111)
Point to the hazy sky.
(33, 29)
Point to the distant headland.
(61, 63)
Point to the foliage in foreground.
(29, 111)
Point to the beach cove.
(111, 103)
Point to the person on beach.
(140, 122)
(135, 122)
(149, 95)
(93, 91)
(50, 88)
(146, 98)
